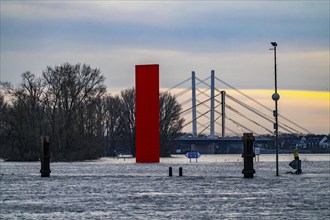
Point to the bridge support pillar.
(248, 155)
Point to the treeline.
(70, 104)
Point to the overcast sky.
(231, 37)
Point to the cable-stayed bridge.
(215, 116)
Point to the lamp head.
(274, 44)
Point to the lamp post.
(275, 97)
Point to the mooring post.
(180, 171)
(45, 157)
(170, 171)
(248, 155)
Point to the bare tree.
(4, 127)
(70, 90)
(171, 122)
(128, 118)
(68, 104)
(25, 117)
(3, 113)
(113, 126)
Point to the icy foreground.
(213, 188)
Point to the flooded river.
(212, 188)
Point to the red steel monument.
(147, 113)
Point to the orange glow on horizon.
(310, 109)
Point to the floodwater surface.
(212, 188)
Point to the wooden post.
(180, 171)
(45, 157)
(170, 171)
(248, 155)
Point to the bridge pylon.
(212, 106)
(223, 113)
(193, 104)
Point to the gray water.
(213, 188)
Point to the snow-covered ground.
(213, 188)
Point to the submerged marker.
(193, 154)
(296, 163)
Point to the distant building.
(314, 141)
(324, 143)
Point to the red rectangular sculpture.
(147, 113)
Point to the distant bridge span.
(217, 145)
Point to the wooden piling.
(248, 155)
(45, 157)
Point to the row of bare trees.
(70, 104)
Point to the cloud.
(242, 70)
(308, 70)
(187, 26)
(232, 38)
(154, 13)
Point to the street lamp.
(275, 97)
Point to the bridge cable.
(247, 118)
(206, 116)
(234, 132)
(188, 109)
(203, 92)
(183, 92)
(255, 101)
(177, 85)
(209, 125)
(198, 117)
(266, 117)
(185, 102)
(202, 81)
(241, 126)
(202, 125)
